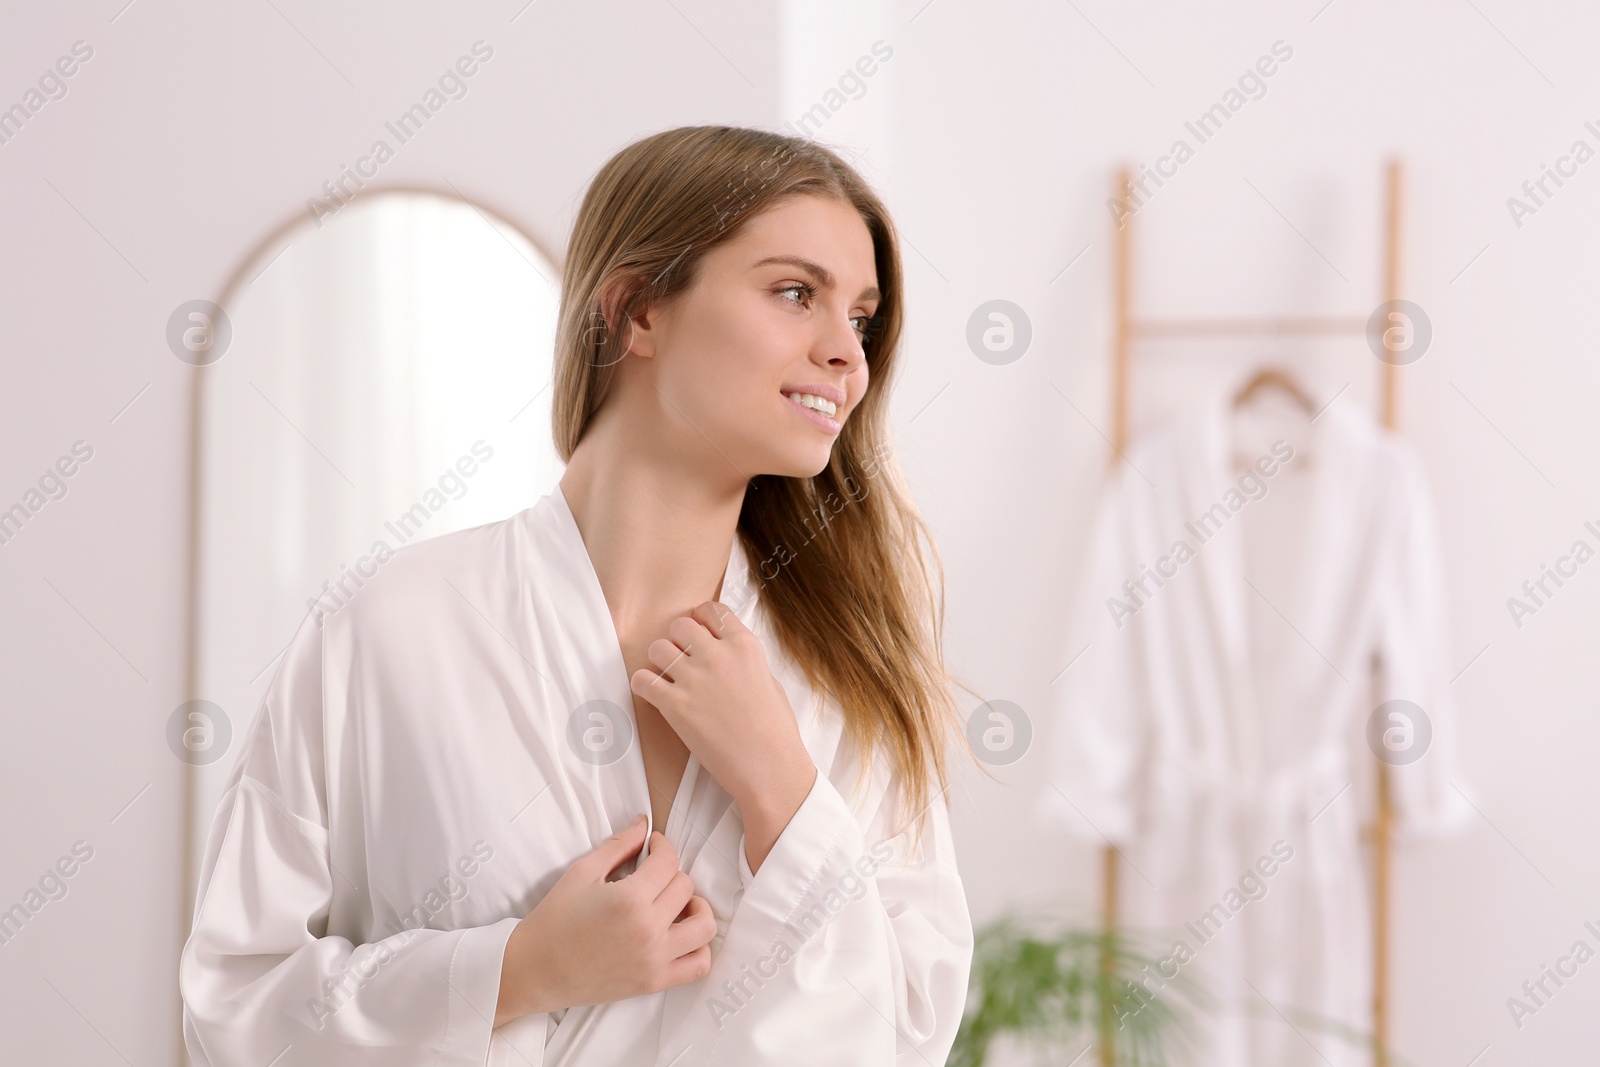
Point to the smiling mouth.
(821, 405)
(818, 411)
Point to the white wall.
(192, 132)
(992, 129)
(1014, 118)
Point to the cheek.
(728, 373)
(750, 356)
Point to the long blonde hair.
(855, 605)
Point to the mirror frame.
(251, 266)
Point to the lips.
(809, 402)
(822, 389)
(814, 411)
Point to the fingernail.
(640, 819)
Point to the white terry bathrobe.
(407, 792)
(1228, 711)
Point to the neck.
(658, 531)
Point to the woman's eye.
(806, 289)
(864, 325)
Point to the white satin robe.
(1220, 718)
(411, 757)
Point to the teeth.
(816, 403)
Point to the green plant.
(1050, 983)
(1062, 986)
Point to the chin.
(801, 465)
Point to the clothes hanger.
(1274, 377)
(1279, 379)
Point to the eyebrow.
(822, 273)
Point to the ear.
(640, 335)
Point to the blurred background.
(243, 345)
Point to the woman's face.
(777, 312)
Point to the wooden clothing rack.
(1127, 328)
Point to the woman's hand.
(716, 691)
(593, 941)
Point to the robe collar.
(572, 618)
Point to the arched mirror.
(372, 378)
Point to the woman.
(428, 851)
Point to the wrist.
(765, 814)
(522, 988)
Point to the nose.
(841, 348)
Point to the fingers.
(670, 902)
(646, 683)
(696, 905)
(698, 630)
(717, 618)
(666, 656)
(688, 634)
(691, 967)
(613, 852)
(694, 932)
(657, 870)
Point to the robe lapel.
(1223, 566)
(573, 614)
(622, 785)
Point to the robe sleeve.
(1094, 734)
(1413, 651)
(262, 973)
(869, 944)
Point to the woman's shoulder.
(411, 581)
